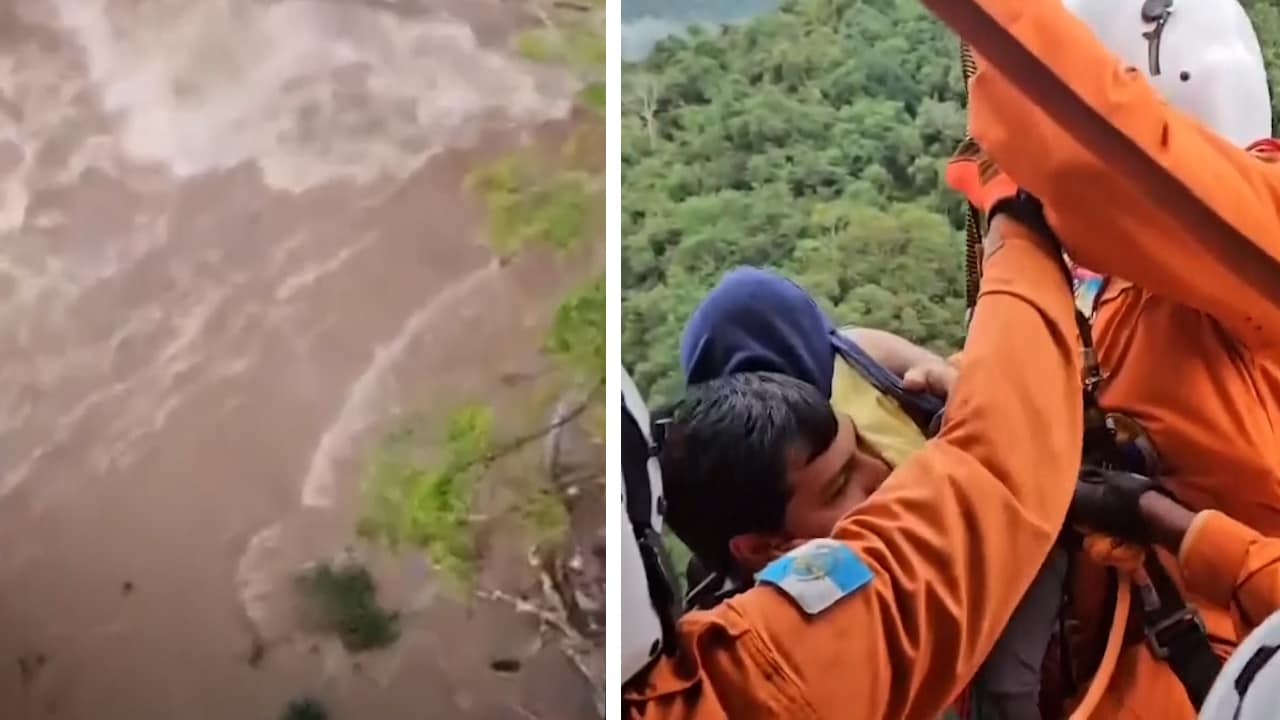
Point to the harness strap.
(1111, 651)
(637, 452)
(1026, 209)
(1176, 634)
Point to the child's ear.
(752, 551)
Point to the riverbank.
(236, 244)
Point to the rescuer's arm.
(897, 354)
(952, 539)
(920, 369)
(1107, 223)
(1221, 559)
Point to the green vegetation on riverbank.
(423, 480)
(418, 490)
(342, 599)
(571, 34)
(577, 335)
(526, 206)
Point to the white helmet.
(650, 599)
(1201, 55)
(1248, 688)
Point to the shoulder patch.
(817, 574)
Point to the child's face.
(823, 491)
(826, 489)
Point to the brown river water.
(233, 243)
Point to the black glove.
(1107, 501)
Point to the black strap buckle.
(658, 432)
(1165, 633)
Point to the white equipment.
(1202, 56)
(1248, 688)
(650, 599)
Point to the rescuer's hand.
(936, 377)
(971, 174)
(1166, 521)
(1107, 501)
(921, 370)
(998, 229)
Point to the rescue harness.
(1174, 630)
(639, 449)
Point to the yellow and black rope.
(973, 217)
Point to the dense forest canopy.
(810, 140)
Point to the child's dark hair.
(724, 462)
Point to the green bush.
(305, 709)
(342, 599)
(418, 492)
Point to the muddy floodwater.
(233, 242)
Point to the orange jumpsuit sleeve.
(953, 538)
(1232, 565)
(1106, 222)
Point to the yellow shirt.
(879, 419)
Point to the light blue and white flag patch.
(817, 574)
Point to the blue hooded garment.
(758, 321)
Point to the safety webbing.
(1173, 628)
(637, 449)
(1176, 634)
(972, 220)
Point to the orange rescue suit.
(1189, 337)
(1228, 564)
(953, 538)
(1232, 565)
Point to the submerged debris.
(305, 708)
(343, 599)
(29, 666)
(257, 653)
(505, 666)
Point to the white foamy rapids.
(311, 272)
(361, 404)
(154, 387)
(203, 86)
(38, 85)
(254, 583)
